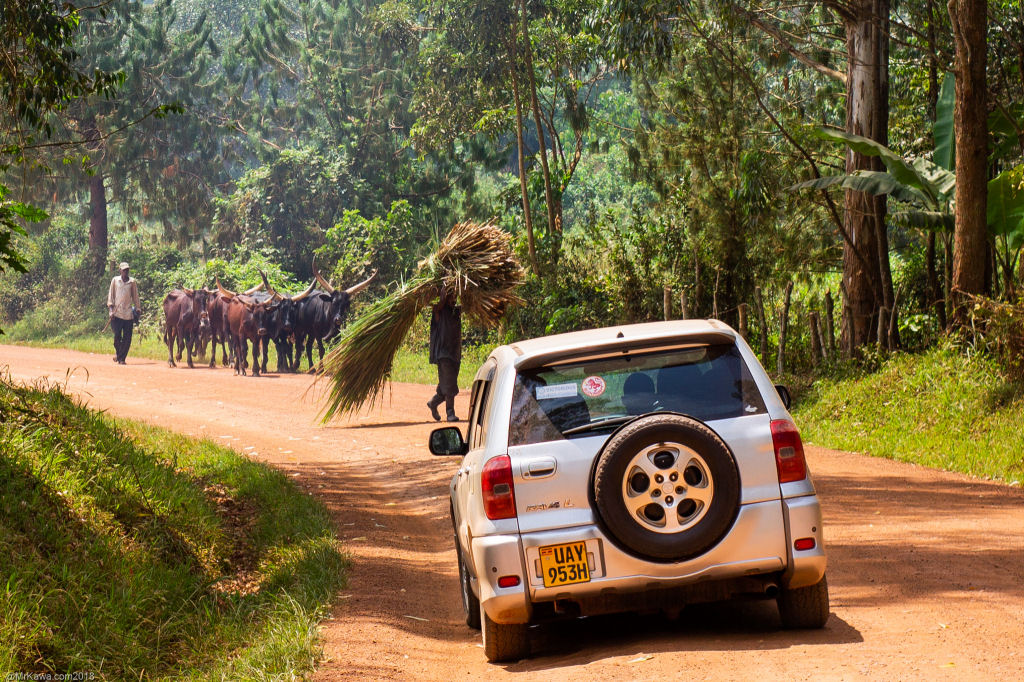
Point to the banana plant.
(928, 187)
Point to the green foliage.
(355, 245)
(10, 212)
(950, 408)
(41, 68)
(998, 328)
(135, 523)
(288, 205)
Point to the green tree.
(338, 78)
(41, 72)
(156, 166)
(289, 204)
(531, 70)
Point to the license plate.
(564, 564)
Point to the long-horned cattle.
(280, 324)
(246, 318)
(185, 319)
(320, 316)
(219, 333)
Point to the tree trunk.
(783, 329)
(970, 236)
(830, 324)
(763, 336)
(521, 156)
(97, 223)
(817, 348)
(881, 125)
(863, 277)
(553, 224)
(934, 288)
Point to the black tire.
(717, 475)
(503, 643)
(470, 604)
(805, 608)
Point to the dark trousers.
(447, 385)
(122, 336)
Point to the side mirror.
(787, 399)
(448, 441)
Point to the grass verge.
(411, 363)
(942, 408)
(134, 553)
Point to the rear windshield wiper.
(600, 424)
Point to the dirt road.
(926, 568)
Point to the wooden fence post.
(683, 308)
(759, 303)
(743, 320)
(816, 347)
(894, 320)
(667, 301)
(783, 326)
(830, 324)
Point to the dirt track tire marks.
(925, 568)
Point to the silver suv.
(632, 468)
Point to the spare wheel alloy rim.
(667, 488)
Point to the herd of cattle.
(195, 318)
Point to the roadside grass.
(135, 553)
(411, 363)
(943, 408)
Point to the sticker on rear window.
(557, 391)
(593, 386)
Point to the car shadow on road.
(736, 625)
(915, 538)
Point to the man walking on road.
(446, 353)
(123, 305)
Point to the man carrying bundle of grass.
(446, 352)
(474, 271)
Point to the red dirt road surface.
(926, 568)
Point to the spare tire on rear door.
(666, 487)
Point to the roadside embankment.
(943, 408)
(133, 553)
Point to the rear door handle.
(540, 468)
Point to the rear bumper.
(803, 520)
(495, 556)
(756, 545)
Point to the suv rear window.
(584, 397)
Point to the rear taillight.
(498, 492)
(789, 451)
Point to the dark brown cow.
(246, 318)
(280, 325)
(218, 330)
(320, 316)
(185, 318)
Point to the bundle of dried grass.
(474, 260)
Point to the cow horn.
(319, 278)
(270, 290)
(305, 293)
(250, 292)
(224, 292)
(353, 290)
(188, 291)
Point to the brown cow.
(218, 331)
(185, 318)
(246, 318)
